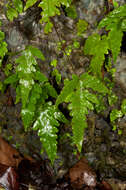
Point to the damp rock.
(120, 75)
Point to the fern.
(33, 89)
(96, 46)
(81, 101)
(115, 24)
(13, 7)
(46, 124)
(50, 8)
(3, 46)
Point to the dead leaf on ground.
(82, 174)
(9, 156)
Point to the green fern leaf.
(18, 5)
(114, 34)
(51, 8)
(94, 83)
(113, 17)
(50, 90)
(11, 79)
(28, 112)
(98, 47)
(40, 77)
(81, 27)
(36, 52)
(29, 3)
(11, 13)
(69, 87)
(115, 114)
(25, 71)
(81, 102)
(3, 47)
(115, 22)
(47, 124)
(48, 27)
(66, 3)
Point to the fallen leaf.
(9, 156)
(82, 174)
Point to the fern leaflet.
(98, 47)
(46, 124)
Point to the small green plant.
(76, 92)
(33, 88)
(81, 27)
(13, 8)
(3, 46)
(116, 114)
(71, 12)
(50, 8)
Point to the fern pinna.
(76, 92)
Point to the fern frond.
(81, 101)
(98, 47)
(25, 71)
(13, 8)
(28, 112)
(113, 17)
(114, 22)
(29, 3)
(114, 34)
(51, 8)
(94, 83)
(46, 125)
(69, 86)
(3, 47)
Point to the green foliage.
(116, 25)
(123, 106)
(33, 88)
(71, 12)
(96, 46)
(3, 47)
(57, 75)
(13, 7)
(83, 93)
(29, 3)
(81, 27)
(50, 8)
(8, 69)
(116, 114)
(76, 91)
(46, 124)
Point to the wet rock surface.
(104, 149)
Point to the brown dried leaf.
(82, 174)
(9, 156)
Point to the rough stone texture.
(120, 75)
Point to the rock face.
(82, 174)
(120, 75)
